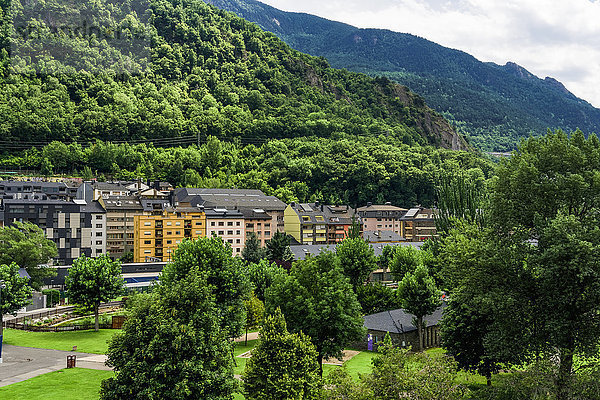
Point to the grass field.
(74, 383)
(86, 341)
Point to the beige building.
(120, 213)
(382, 218)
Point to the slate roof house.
(399, 324)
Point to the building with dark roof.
(76, 227)
(120, 211)
(315, 223)
(399, 324)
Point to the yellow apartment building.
(157, 236)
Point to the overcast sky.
(557, 38)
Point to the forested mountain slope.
(495, 105)
(111, 70)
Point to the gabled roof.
(399, 321)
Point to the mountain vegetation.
(494, 105)
(171, 70)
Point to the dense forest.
(494, 105)
(80, 71)
(345, 170)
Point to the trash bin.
(71, 361)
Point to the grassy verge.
(86, 341)
(74, 383)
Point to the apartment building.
(120, 212)
(315, 223)
(158, 235)
(52, 190)
(228, 225)
(259, 222)
(382, 218)
(232, 199)
(419, 224)
(77, 227)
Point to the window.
(249, 226)
(169, 223)
(98, 234)
(230, 241)
(98, 242)
(147, 241)
(319, 218)
(178, 232)
(238, 241)
(230, 232)
(147, 251)
(169, 241)
(237, 250)
(199, 223)
(221, 223)
(147, 223)
(98, 225)
(238, 223)
(147, 233)
(98, 216)
(238, 232)
(212, 223)
(169, 232)
(258, 225)
(221, 233)
(267, 226)
(178, 223)
(267, 233)
(229, 223)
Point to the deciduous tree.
(283, 366)
(92, 281)
(27, 245)
(419, 296)
(172, 346)
(357, 259)
(317, 299)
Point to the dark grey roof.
(115, 203)
(331, 214)
(223, 213)
(111, 185)
(382, 236)
(229, 198)
(92, 207)
(399, 321)
(254, 213)
(300, 251)
(36, 200)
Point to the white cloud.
(557, 38)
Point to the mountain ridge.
(496, 105)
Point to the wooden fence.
(19, 322)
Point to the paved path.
(22, 363)
(251, 336)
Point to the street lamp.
(2, 286)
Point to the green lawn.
(86, 341)
(74, 383)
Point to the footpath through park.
(22, 363)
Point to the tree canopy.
(283, 365)
(27, 246)
(92, 281)
(316, 290)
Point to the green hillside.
(168, 70)
(494, 105)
